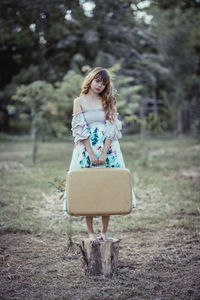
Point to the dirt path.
(152, 265)
(159, 256)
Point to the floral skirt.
(80, 157)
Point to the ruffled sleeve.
(79, 127)
(113, 130)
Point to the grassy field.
(159, 249)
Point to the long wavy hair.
(108, 99)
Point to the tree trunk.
(99, 257)
(5, 120)
(179, 122)
(184, 118)
(35, 146)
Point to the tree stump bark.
(99, 257)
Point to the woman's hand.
(93, 159)
(102, 158)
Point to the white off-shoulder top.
(82, 120)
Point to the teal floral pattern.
(94, 136)
(97, 137)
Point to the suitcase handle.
(98, 165)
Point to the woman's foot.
(105, 237)
(92, 236)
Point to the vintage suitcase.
(99, 192)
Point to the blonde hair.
(108, 99)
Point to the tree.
(176, 25)
(38, 96)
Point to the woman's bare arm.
(87, 145)
(108, 141)
(77, 106)
(102, 158)
(106, 145)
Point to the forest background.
(151, 48)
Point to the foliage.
(59, 186)
(65, 92)
(38, 96)
(152, 48)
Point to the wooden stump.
(99, 257)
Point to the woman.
(96, 130)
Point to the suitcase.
(99, 192)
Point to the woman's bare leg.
(105, 221)
(89, 222)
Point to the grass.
(159, 248)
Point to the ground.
(159, 256)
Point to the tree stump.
(99, 257)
